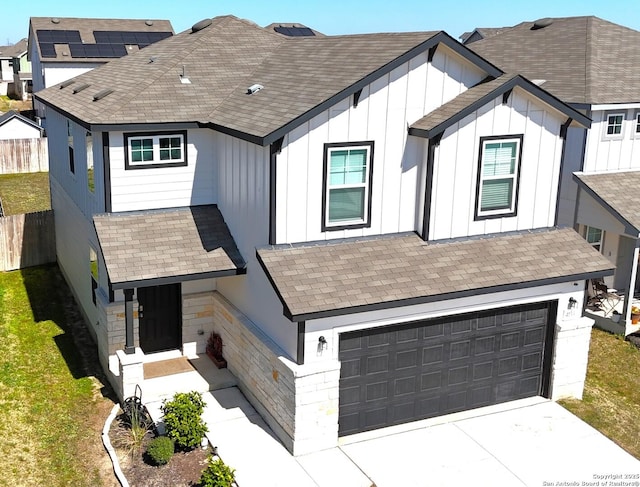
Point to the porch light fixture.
(322, 344)
(573, 302)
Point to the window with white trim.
(594, 237)
(637, 123)
(155, 150)
(614, 124)
(348, 170)
(498, 174)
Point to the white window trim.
(595, 243)
(511, 210)
(635, 132)
(365, 221)
(156, 161)
(605, 130)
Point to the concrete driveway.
(533, 442)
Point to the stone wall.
(570, 358)
(197, 322)
(300, 403)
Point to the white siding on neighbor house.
(55, 73)
(456, 168)
(164, 187)
(612, 153)
(18, 129)
(593, 214)
(385, 109)
(331, 327)
(243, 199)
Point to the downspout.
(628, 301)
(428, 191)
(129, 346)
(300, 350)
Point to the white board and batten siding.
(243, 198)
(386, 108)
(164, 187)
(456, 168)
(612, 153)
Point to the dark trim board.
(300, 347)
(106, 160)
(160, 281)
(428, 192)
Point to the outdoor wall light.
(573, 302)
(322, 344)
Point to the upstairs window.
(498, 174)
(91, 183)
(594, 237)
(348, 170)
(614, 124)
(155, 150)
(637, 124)
(72, 162)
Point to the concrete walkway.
(523, 443)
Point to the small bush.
(160, 450)
(183, 419)
(217, 474)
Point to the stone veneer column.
(570, 358)
(299, 402)
(131, 372)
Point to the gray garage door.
(402, 373)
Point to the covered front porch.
(162, 267)
(608, 216)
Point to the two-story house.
(588, 62)
(60, 48)
(12, 60)
(367, 220)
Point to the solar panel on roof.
(47, 49)
(126, 37)
(294, 31)
(58, 36)
(97, 50)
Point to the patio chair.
(603, 297)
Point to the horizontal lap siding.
(385, 108)
(456, 165)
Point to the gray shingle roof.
(11, 114)
(583, 59)
(147, 246)
(618, 191)
(336, 278)
(14, 50)
(86, 27)
(221, 62)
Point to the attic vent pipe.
(542, 23)
(254, 89)
(55, 20)
(201, 25)
(101, 94)
(148, 22)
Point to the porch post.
(129, 346)
(628, 301)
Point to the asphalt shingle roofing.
(618, 191)
(582, 59)
(221, 61)
(336, 278)
(14, 50)
(184, 243)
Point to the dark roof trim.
(519, 81)
(11, 114)
(440, 297)
(439, 38)
(628, 227)
(159, 281)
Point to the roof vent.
(542, 23)
(101, 94)
(79, 88)
(153, 59)
(148, 22)
(254, 89)
(64, 84)
(183, 77)
(55, 20)
(201, 25)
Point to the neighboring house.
(481, 33)
(62, 48)
(15, 126)
(589, 63)
(22, 78)
(11, 59)
(367, 220)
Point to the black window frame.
(478, 214)
(366, 221)
(155, 163)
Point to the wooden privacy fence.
(24, 155)
(27, 240)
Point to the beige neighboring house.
(62, 48)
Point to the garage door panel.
(419, 370)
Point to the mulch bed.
(183, 470)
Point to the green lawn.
(51, 412)
(25, 193)
(611, 401)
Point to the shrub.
(160, 450)
(217, 474)
(183, 419)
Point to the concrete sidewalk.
(522, 443)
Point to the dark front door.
(160, 317)
(396, 374)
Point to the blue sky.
(330, 16)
